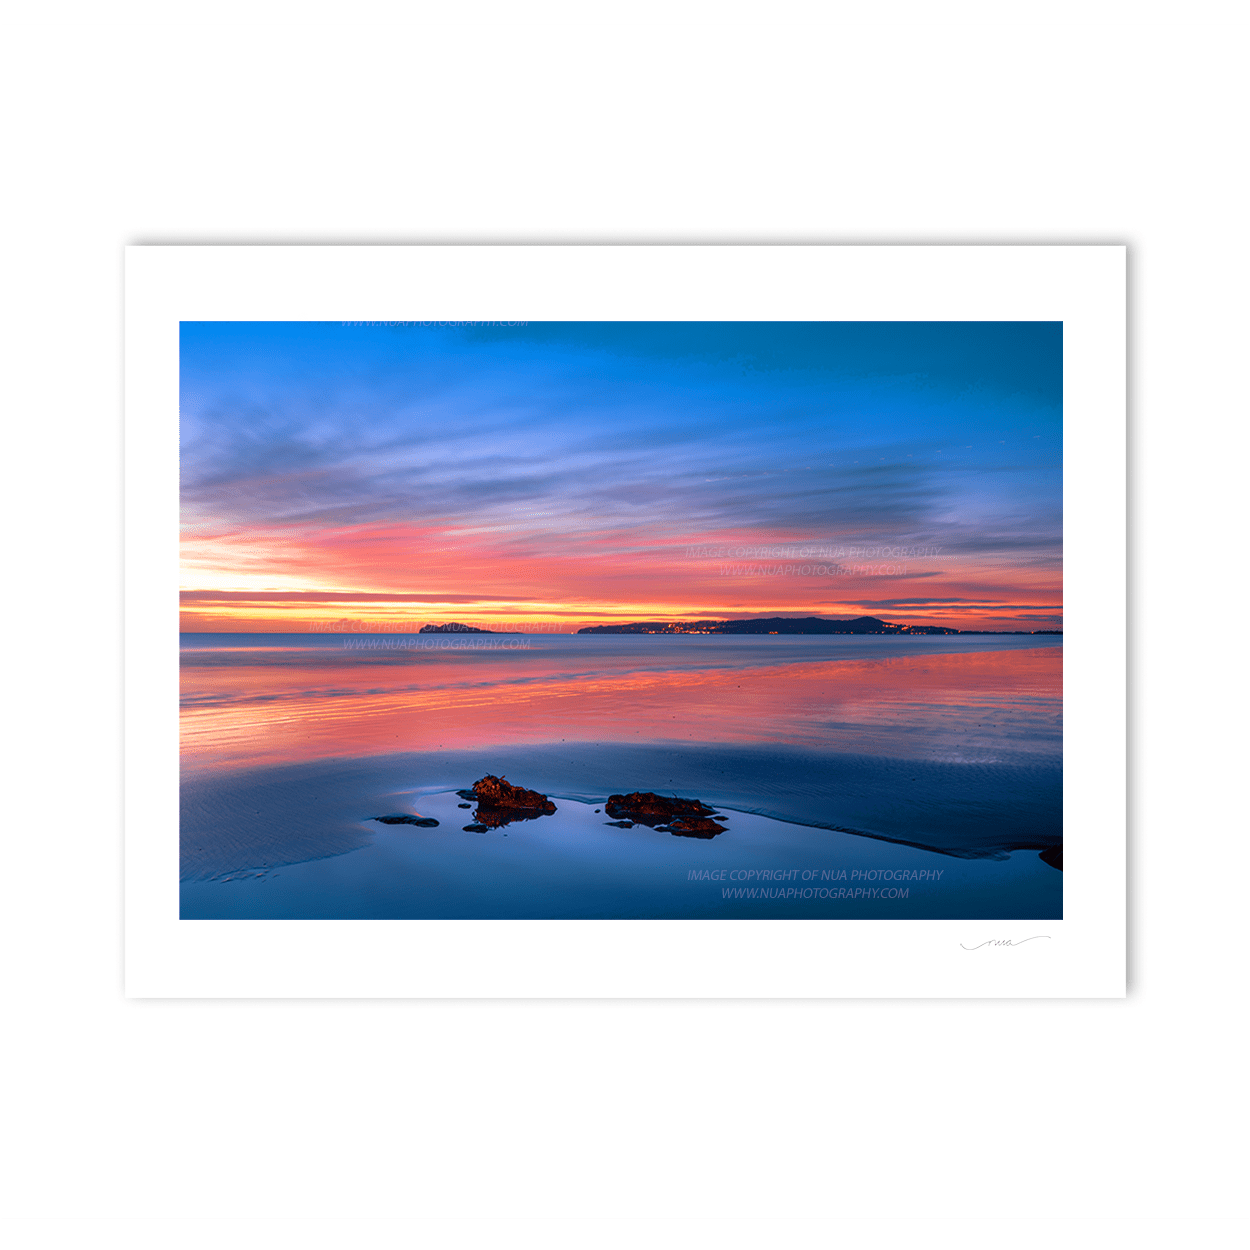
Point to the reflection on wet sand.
(271, 707)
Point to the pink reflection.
(286, 706)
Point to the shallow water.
(944, 749)
(574, 865)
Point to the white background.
(360, 1124)
(1083, 955)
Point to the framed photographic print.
(625, 621)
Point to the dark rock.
(620, 824)
(1053, 855)
(499, 802)
(466, 794)
(464, 804)
(654, 809)
(694, 827)
(475, 828)
(424, 822)
(499, 792)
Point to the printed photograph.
(621, 620)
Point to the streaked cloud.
(566, 469)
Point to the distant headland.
(454, 627)
(793, 625)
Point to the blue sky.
(575, 450)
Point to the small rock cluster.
(499, 803)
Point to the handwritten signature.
(1005, 942)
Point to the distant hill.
(454, 627)
(770, 625)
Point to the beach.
(935, 760)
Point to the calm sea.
(946, 748)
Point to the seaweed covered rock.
(499, 802)
(684, 818)
(499, 792)
(694, 827)
(653, 809)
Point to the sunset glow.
(284, 706)
(362, 478)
